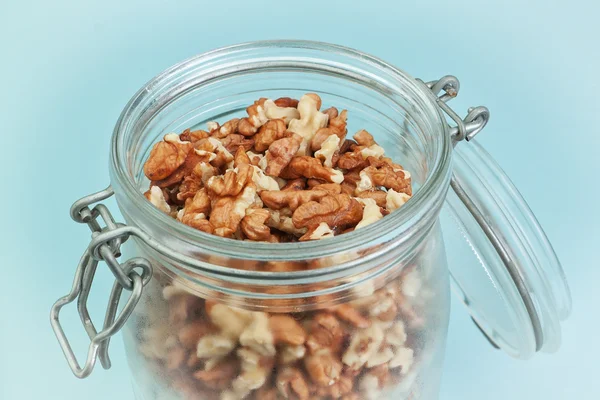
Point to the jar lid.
(505, 270)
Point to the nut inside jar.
(364, 348)
(285, 173)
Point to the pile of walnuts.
(285, 173)
(361, 350)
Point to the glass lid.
(502, 265)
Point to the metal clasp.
(476, 119)
(104, 246)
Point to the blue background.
(68, 68)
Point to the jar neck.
(403, 104)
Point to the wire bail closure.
(104, 246)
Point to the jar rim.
(413, 217)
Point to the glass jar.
(363, 315)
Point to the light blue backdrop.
(68, 68)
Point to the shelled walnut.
(211, 350)
(287, 158)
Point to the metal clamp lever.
(105, 246)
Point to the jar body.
(385, 340)
(363, 315)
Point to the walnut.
(389, 176)
(284, 223)
(184, 170)
(295, 184)
(215, 345)
(291, 199)
(232, 183)
(253, 225)
(403, 358)
(338, 210)
(273, 111)
(291, 384)
(349, 314)
(291, 354)
(255, 159)
(371, 213)
(310, 121)
(228, 128)
(338, 124)
(273, 130)
(193, 136)
(286, 102)
(280, 153)
(246, 128)
(231, 321)
(262, 181)
(240, 157)
(385, 309)
(212, 126)
(365, 183)
(323, 367)
(201, 173)
(235, 141)
(286, 330)
(256, 113)
(353, 160)
(309, 167)
(347, 145)
(227, 212)
(328, 149)
(223, 156)
(156, 196)
(331, 188)
(171, 291)
(196, 209)
(374, 151)
(318, 232)
(254, 375)
(383, 356)
(395, 200)
(219, 376)
(166, 157)
(257, 336)
(363, 345)
(325, 333)
(411, 282)
(189, 187)
(331, 112)
(364, 138)
(396, 334)
(379, 196)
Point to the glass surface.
(393, 273)
(383, 340)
